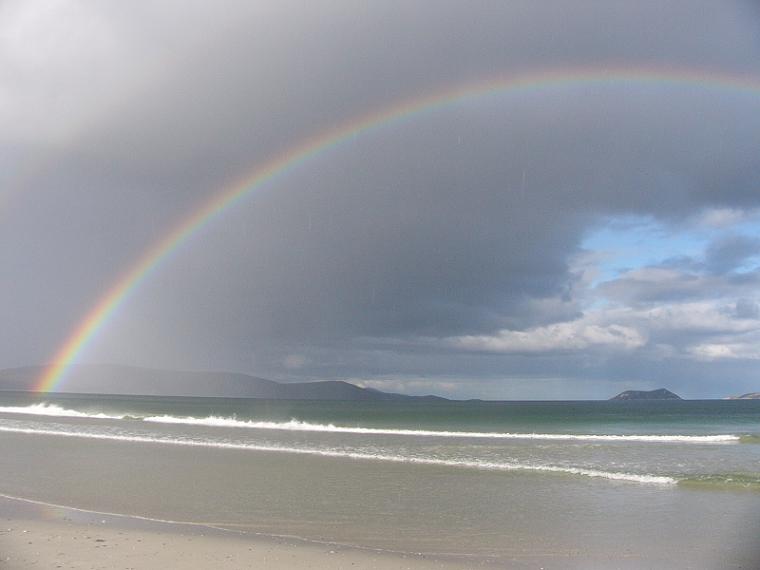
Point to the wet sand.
(32, 537)
(42, 544)
(73, 539)
(265, 509)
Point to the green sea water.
(490, 480)
(699, 416)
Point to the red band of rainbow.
(98, 316)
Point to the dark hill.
(660, 394)
(113, 379)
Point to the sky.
(570, 241)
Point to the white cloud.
(708, 317)
(728, 350)
(719, 218)
(570, 336)
(701, 330)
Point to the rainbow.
(99, 315)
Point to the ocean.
(651, 483)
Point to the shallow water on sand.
(674, 483)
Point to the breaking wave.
(44, 409)
(297, 425)
(339, 453)
(53, 410)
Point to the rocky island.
(660, 394)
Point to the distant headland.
(659, 394)
(748, 396)
(132, 380)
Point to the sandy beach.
(45, 536)
(122, 482)
(38, 544)
(75, 539)
(85, 491)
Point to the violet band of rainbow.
(99, 315)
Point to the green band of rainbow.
(99, 315)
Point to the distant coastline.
(747, 396)
(116, 379)
(132, 380)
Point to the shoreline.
(113, 498)
(36, 534)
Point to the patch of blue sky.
(626, 243)
(631, 242)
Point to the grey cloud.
(713, 275)
(649, 285)
(730, 252)
(747, 309)
(462, 221)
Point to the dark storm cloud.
(366, 261)
(449, 239)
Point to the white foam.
(44, 409)
(338, 453)
(297, 425)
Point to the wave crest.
(298, 425)
(44, 409)
(339, 453)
